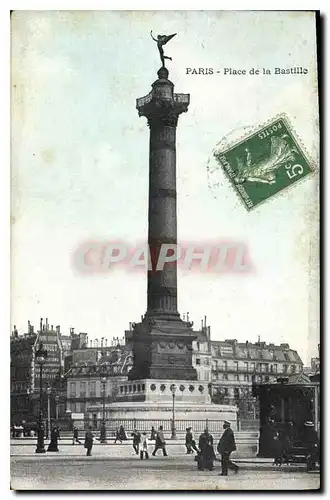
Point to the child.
(144, 446)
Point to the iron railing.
(178, 98)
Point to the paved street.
(70, 469)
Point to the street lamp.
(173, 389)
(49, 391)
(103, 433)
(57, 400)
(41, 356)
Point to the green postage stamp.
(264, 163)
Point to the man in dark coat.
(160, 442)
(54, 436)
(206, 455)
(89, 442)
(153, 434)
(75, 438)
(190, 442)
(225, 447)
(136, 440)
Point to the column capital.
(162, 106)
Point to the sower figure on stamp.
(225, 447)
(162, 40)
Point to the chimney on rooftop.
(41, 324)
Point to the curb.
(52, 457)
(244, 466)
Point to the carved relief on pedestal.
(174, 359)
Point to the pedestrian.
(144, 446)
(122, 433)
(278, 447)
(160, 442)
(89, 441)
(311, 440)
(206, 455)
(225, 447)
(190, 442)
(153, 434)
(118, 437)
(54, 436)
(136, 440)
(75, 438)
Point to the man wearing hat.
(312, 443)
(225, 447)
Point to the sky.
(79, 167)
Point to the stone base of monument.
(152, 400)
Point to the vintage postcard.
(165, 243)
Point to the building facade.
(84, 385)
(21, 369)
(202, 353)
(236, 365)
(25, 370)
(54, 364)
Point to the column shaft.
(162, 284)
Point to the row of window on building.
(252, 367)
(240, 378)
(83, 392)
